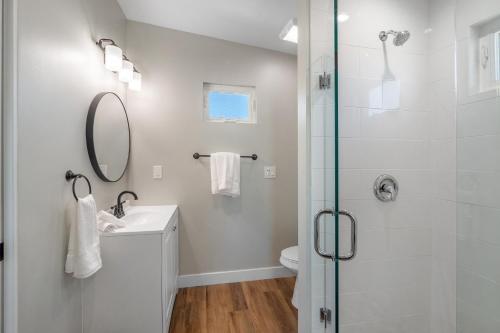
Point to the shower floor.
(255, 306)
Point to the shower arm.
(385, 34)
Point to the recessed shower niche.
(482, 56)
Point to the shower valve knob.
(386, 188)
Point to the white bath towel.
(107, 222)
(84, 253)
(225, 174)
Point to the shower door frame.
(304, 167)
(305, 311)
(9, 101)
(336, 159)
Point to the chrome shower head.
(400, 37)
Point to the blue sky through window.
(228, 106)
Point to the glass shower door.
(372, 151)
(323, 131)
(405, 134)
(384, 174)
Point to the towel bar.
(253, 156)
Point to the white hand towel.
(84, 253)
(225, 174)
(107, 222)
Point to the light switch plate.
(157, 172)
(269, 172)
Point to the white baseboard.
(206, 279)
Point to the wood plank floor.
(256, 306)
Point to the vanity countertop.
(145, 220)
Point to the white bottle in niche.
(488, 62)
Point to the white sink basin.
(145, 219)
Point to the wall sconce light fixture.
(127, 71)
(116, 61)
(136, 83)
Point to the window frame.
(233, 89)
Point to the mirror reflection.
(108, 136)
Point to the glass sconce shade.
(113, 58)
(136, 82)
(127, 71)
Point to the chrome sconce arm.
(107, 41)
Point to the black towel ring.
(70, 175)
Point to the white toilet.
(290, 259)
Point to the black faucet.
(118, 209)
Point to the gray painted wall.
(217, 233)
(60, 71)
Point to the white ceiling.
(251, 22)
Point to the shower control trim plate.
(386, 188)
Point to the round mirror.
(108, 136)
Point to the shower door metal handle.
(316, 234)
(354, 229)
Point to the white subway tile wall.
(387, 287)
(442, 102)
(478, 183)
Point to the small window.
(225, 103)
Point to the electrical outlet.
(157, 172)
(270, 172)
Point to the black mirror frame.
(90, 136)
